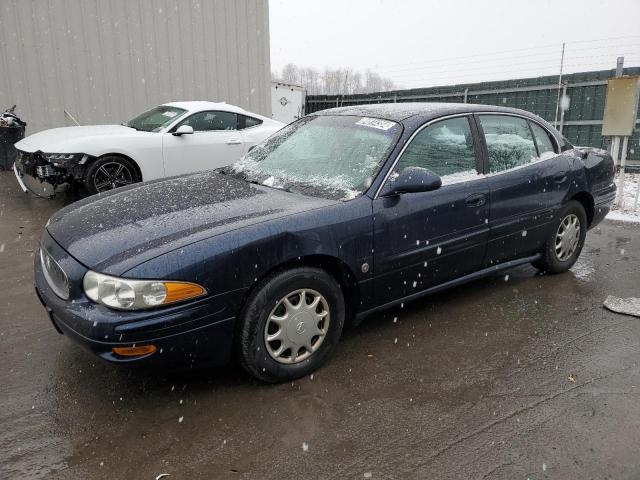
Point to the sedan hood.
(114, 232)
(71, 139)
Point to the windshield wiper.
(257, 182)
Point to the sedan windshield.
(156, 118)
(326, 156)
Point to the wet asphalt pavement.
(517, 376)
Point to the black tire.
(110, 172)
(253, 352)
(552, 261)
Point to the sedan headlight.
(62, 157)
(126, 294)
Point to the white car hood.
(74, 139)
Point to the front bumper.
(200, 331)
(42, 177)
(19, 178)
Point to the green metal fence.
(581, 124)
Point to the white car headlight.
(127, 294)
(61, 157)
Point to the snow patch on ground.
(622, 216)
(627, 213)
(627, 306)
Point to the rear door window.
(509, 142)
(545, 145)
(245, 121)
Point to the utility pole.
(625, 142)
(555, 121)
(619, 66)
(615, 141)
(564, 105)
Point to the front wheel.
(290, 324)
(565, 241)
(110, 172)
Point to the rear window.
(245, 121)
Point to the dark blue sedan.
(342, 213)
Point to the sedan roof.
(402, 111)
(199, 105)
(194, 106)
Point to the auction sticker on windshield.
(375, 123)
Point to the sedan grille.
(56, 278)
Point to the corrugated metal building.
(582, 122)
(105, 61)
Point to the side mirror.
(415, 180)
(183, 130)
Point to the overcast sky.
(422, 43)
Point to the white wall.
(107, 60)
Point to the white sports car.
(171, 139)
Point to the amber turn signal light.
(134, 351)
(177, 291)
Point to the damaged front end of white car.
(44, 174)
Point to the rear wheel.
(290, 324)
(565, 241)
(110, 172)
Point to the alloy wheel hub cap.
(300, 328)
(112, 175)
(567, 237)
(297, 326)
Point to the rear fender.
(598, 167)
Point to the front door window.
(445, 148)
(211, 121)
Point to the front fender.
(236, 260)
(146, 151)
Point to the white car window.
(211, 121)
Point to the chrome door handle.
(476, 200)
(234, 141)
(560, 177)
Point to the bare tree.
(372, 82)
(291, 74)
(388, 85)
(310, 80)
(333, 81)
(330, 81)
(354, 84)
